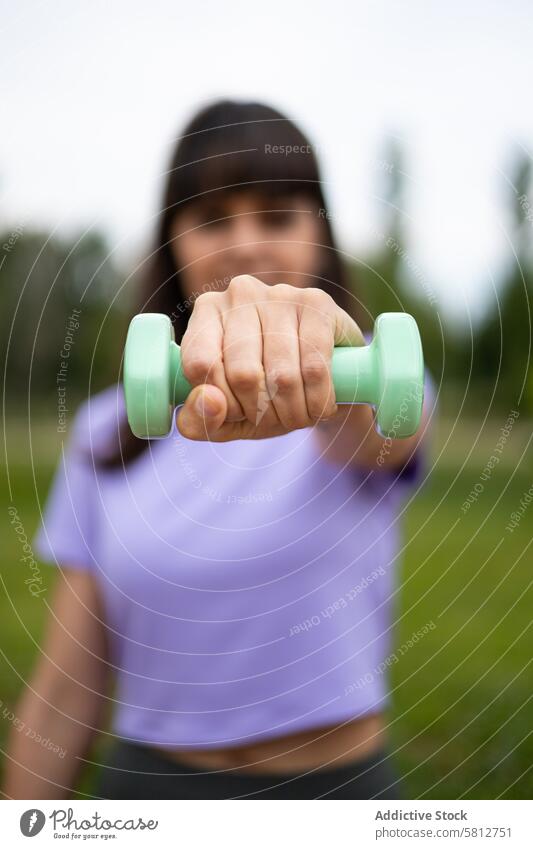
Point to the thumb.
(203, 412)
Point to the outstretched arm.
(351, 438)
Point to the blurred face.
(275, 239)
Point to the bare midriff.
(328, 747)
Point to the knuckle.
(205, 299)
(282, 291)
(243, 282)
(196, 367)
(243, 377)
(282, 380)
(314, 370)
(317, 298)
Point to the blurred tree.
(489, 364)
(502, 351)
(391, 280)
(43, 279)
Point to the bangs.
(263, 152)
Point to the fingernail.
(205, 405)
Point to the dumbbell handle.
(352, 372)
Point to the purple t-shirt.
(249, 586)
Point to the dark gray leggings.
(133, 771)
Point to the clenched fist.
(259, 360)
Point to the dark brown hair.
(229, 146)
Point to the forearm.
(46, 743)
(351, 438)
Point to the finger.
(316, 337)
(243, 355)
(203, 412)
(201, 425)
(281, 358)
(201, 350)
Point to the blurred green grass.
(462, 716)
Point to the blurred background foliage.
(43, 278)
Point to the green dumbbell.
(388, 373)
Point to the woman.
(233, 583)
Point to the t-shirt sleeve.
(65, 535)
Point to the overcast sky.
(94, 93)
